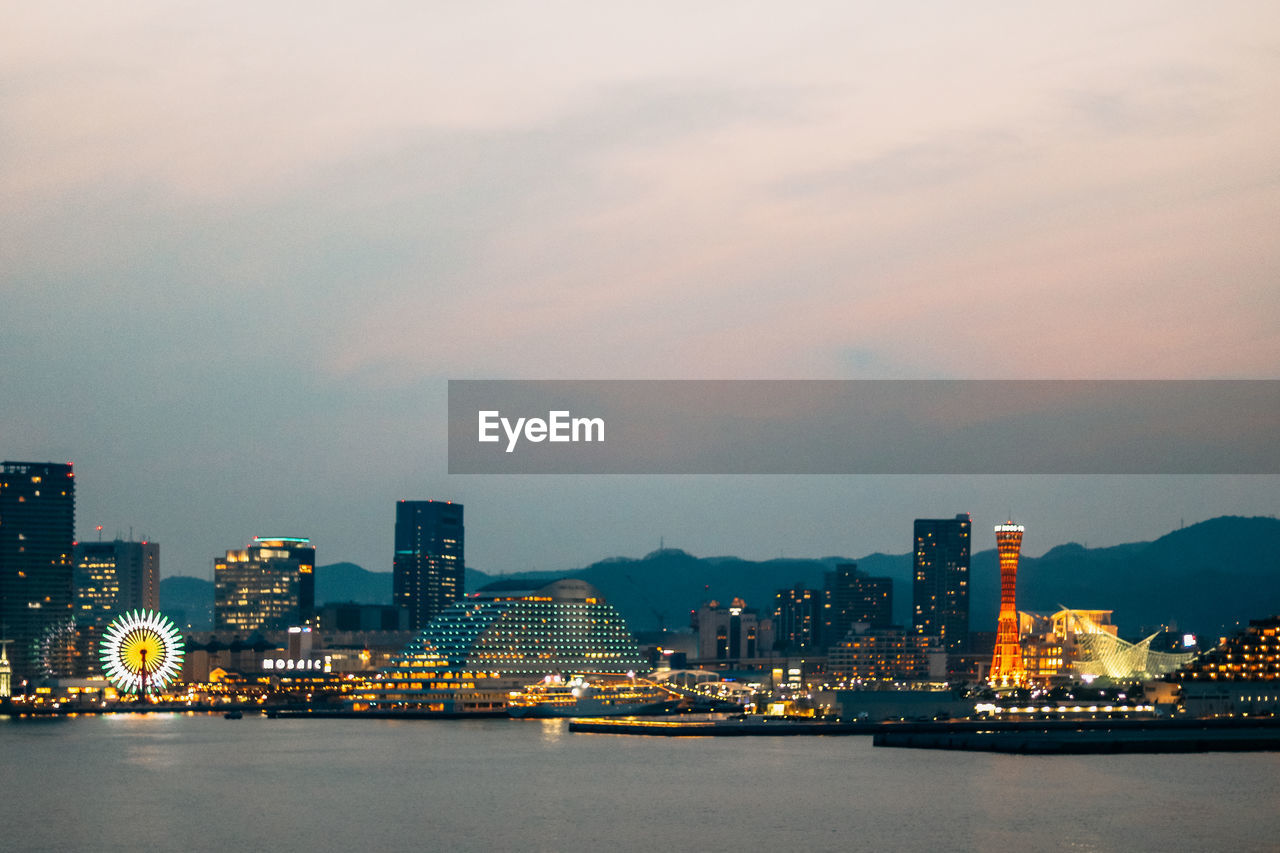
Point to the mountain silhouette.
(1204, 578)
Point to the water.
(199, 782)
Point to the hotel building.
(499, 639)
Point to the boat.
(580, 697)
(233, 715)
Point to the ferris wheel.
(141, 651)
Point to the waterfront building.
(506, 635)
(940, 580)
(267, 586)
(852, 596)
(797, 619)
(1076, 644)
(1239, 676)
(1006, 662)
(871, 654)
(429, 567)
(37, 538)
(731, 633)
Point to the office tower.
(303, 552)
(110, 578)
(428, 569)
(940, 586)
(852, 597)
(1006, 663)
(37, 534)
(268, 586)
(797, 619)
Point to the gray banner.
(864, 427)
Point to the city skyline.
(237, 278)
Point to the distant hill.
(1205, 577)
(348, 582)
(188, 602)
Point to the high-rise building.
(37, 535)
(110, 578)
(428, 569)
(1006, 663)
(940, 585)
(797, 619)
(268, 586)
(852, 597)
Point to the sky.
(246, 245)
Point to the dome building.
(506, 635)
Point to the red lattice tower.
(1006, 663)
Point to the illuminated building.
(730, 633)
(940, 585)
(498, 639)
(110, 578)
(1240, 676)
(1084, 645)
(1006, 662)
(851, 597)
(870, 653)
(429, 566)
(37, 534)
(6, 670)
(797, 619)
(269, 585)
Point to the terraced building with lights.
(482, 647)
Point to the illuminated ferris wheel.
(141, 651)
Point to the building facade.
(37, 538)
(507, 635)
(885, 654)
(109, 578)
(731, 633)
(797, 619)
(940, 582)
(268, 586)
(851, 597)
(429, 567)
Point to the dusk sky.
(244, 248)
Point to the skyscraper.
(37, 534)
(110, 578)
(262, 587)
(1006, 663)
(853, 597)
(940, 586)
(797, 619)
(429, 568)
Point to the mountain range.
(1203, 578)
